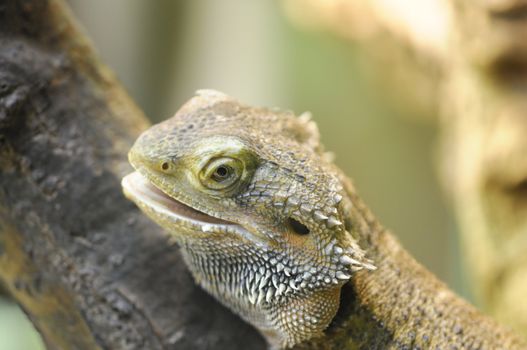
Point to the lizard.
(270, 227)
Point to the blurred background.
(162, 51)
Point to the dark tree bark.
(86, 266)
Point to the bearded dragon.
(275, 231)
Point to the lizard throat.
(140, 190)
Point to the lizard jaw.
(148, 197)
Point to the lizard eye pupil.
(164, 166)
(298, 227)
(221, 171)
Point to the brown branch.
(89, 269)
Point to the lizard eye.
(221, 173)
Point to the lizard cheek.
(300, 242)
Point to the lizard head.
(257, 209)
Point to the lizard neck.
(401, 306)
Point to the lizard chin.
(150, 198)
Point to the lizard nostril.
(298, 227)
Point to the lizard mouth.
(147, 196)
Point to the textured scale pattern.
(284, 283)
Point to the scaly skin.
(275, 232)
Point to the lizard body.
(271, 228)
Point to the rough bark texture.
(87, 267)
(470, 58)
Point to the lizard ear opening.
(298, 227)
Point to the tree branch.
(88, 268)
